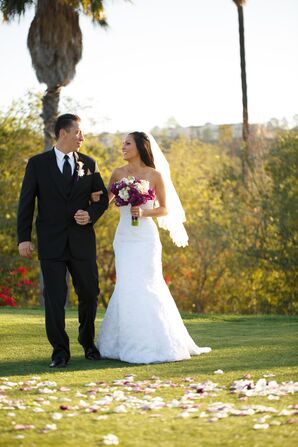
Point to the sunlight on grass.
(145, 412)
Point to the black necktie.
(67, 169)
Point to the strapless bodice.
(146, 230)
(125, 210)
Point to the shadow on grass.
(230, 361)
(239, 343)
(41, 366)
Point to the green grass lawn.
(255, 345)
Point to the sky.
(167, 58)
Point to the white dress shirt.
(60, 160)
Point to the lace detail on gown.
(142, 323)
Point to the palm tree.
(245, 128)
(55, 45)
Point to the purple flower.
(132, 191)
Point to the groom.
(63, 180)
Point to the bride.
(142, 323)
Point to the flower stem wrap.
(132, 191)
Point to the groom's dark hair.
(65, 122)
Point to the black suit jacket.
(55, 224)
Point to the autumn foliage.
(242, 253)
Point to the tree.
(55, 45)
(245, 131)
(278, 244)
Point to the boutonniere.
(80, 169)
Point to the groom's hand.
(26, 249)
(95, 196)
(82, 217)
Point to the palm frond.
(12, 8)
(239, 2)
(55, 42)
(92, 8)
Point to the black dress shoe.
(59, 362)
(92, 353)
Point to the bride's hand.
(95, 196)
(136, 211)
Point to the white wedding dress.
(142, 323)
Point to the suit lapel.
(57, 175)
(76, 178)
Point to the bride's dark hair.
(144, 148)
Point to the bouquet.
(133, 191)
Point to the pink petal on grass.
(110, 439)
(57, 416)
(261, 426)
(24, 427)
(48, 428)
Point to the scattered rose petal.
(127, 395)
(275, 423)
(214, 419)
(24, 427)
(110, 439)
(50, 427)
(101, 417)
(291, 421)
(47, 383)
(38, 410)
(46, 391)
(183, 415)
(285, 412)
(79, 394)
(57, 416)
(83, 404)
(263, 419)
(272, 397)
(120, 409)
(261, 426)
(247, 376)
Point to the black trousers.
(84, 275)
